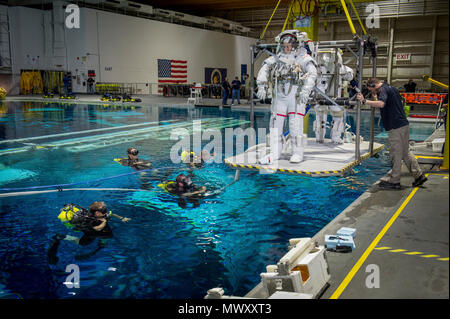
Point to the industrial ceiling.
(248, 17)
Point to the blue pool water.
(165, 251)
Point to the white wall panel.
(130, 46)
(82, 49)
(27, 38)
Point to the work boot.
(419, 181)
(389, 185)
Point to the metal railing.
(121, 88)
(213, 91)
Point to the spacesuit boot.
(297, 149)
(275, 142)
(337, 130)
(296, 133)
(320, 124)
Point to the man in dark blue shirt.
(410, 87)
(352, 88)
(226, 90)
(236, 85)
(66, 84)
(388, 100)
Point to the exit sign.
(403, 57)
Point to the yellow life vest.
(165, 184)
(71, 211)
(185, 155)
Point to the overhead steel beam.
(391, 50)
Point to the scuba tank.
(71, 213)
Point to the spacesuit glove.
(261, 94)
(297, 69)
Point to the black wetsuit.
(86, 225)
(175, 190)
(132, 163)
(194, 163)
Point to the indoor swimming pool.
(166, 250)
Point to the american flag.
(171, 72)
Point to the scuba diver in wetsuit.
(93, 224)
(186, 190)
(137, 164)
(133, 160)
(196, 161)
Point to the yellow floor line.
(411, 253)
(432, 157)
(375, 242)
(414, 253)
(371, 247)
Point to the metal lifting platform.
(320, 159)
(326, 159)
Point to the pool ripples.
(165, 251)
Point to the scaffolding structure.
(358, 46)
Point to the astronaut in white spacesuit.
(292, 74)
(326, 83)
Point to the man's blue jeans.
(224, 97)
(237, 95)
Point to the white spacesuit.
(327, 83)
(292, 74)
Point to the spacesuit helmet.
(293, 39)
(287, 41)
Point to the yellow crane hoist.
(303, 16)
(427, 78)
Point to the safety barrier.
(423, 98)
